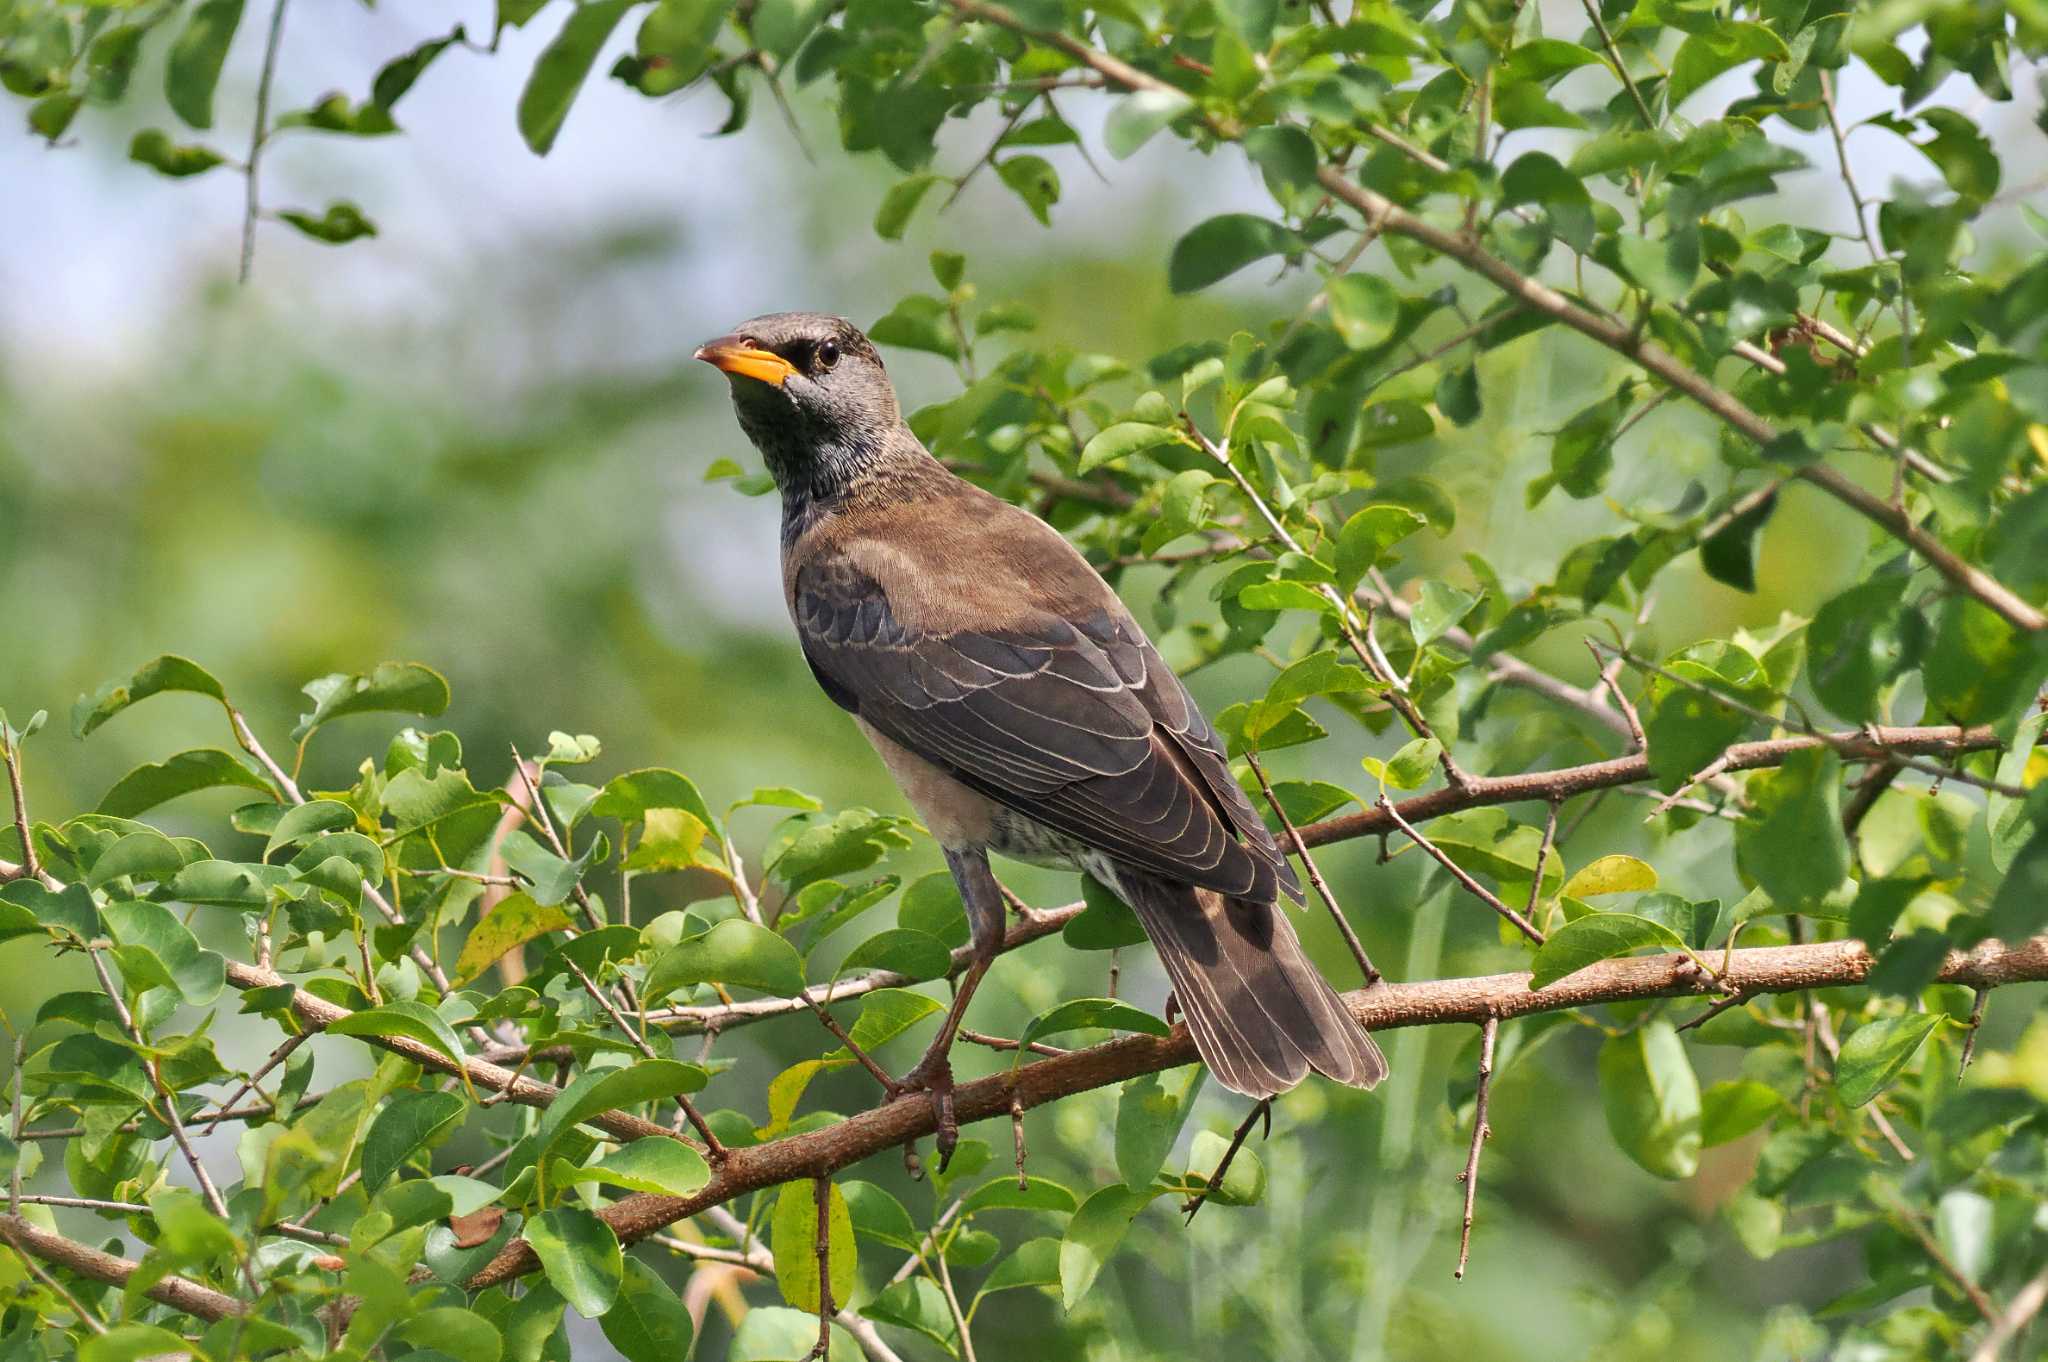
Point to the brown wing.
(1075, 722)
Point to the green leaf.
(226, 884)
(1105, 921)
(412, 1121)
(1079, 1014)
(1222, 246)
(133, 1343)
(1857, 643)
(1037, 1194)
(1364, 308)
(196, 57)
(153, 148)
(917, 1303)
(1593, 938)
(601, 1090)
(395, 687)
(1123, 440)
(1036, 1262)
(1364, 541)
(203, 768)
(1665, 267)
(1652, 1099)
(664, 1167)
(628, 797)
(793, 1236)
(735, 952)
(1457, 395)
(143, 855)
(1137, 116)
(580, 1255)
(342, 223)
(1244, 1182)
(1149, 1115)
(414, 1021)
(918, 322)
(153, 948)
(2019, 909)
(1729, 554)
(1284, 154)
(457, 1332)
(515, 921)
(775, 1333)
(1408, 768)
(1441, 607)
(1795, 849)
(1723, 47)
(1032, 179)
(1729, 1111)
(648, 1322)
(561, 69)
(303, 822)
(1093, 1234)
(1876, 1052)
(913, 954)
(166, 673)
(899, 203)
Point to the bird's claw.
(934, 1075)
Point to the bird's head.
(811, 394)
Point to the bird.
(1023, 711)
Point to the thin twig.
(11, 755)
(1470, 1177)
(1620, 66)
(1478, 890)
(258, 136)
(1261, 1111)
(1315, 876)
(2026, 1303)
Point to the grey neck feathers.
(819, 477)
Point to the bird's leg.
(983, 898)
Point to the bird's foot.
(933, 1075)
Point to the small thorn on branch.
(1970, 1038)
(1470, 1177)
(1017, 1138)
(1263, 1111)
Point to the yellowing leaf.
(1611, 875)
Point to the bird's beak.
(736, 355)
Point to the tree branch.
(1876, 744)
(95, 1265)
(1766, 969)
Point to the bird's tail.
(1260, 1013)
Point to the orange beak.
(739, 355)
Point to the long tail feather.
(1260, 1013)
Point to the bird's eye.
(828, 354)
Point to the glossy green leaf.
(735, 952)
(1150, 1112)
(193, 67)
(1877, 1052)
(648, 1322)
(561, 69)
(1093, 1235)
(1652, 1099)
(411, 1122)
(1593, 938)
(1222, 246)
(580, 1255)
(203, 768)
(155, 677)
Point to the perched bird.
(1022, 710)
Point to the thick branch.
(97, 1266)
(1770, 969)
